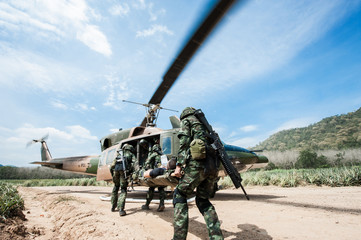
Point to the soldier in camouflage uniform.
(154, 161)
(143, 152)
(195, 176)
(120, 177)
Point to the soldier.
(121, 169)
(143, 152)
(193, 158)
(154, 161)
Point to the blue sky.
(66, 66)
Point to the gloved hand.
(135, 177)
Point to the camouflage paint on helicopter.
(99, 166)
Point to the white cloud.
(76, 107)
(116, 90)
(91, 36)
(40, 72)
(244, 142)
(114, 130)
(154, 15)
(27, 132)
(295, 123)
(58, 104)
(55, 20)
(249, 128)
(153, 31)
(82, 106)
(121, 9)
(78, 131)
(139, 4)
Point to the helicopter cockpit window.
(167, 145)
(110, 156)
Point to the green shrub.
(309, 159)
(10, 201)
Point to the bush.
(270, 166)
(309, 159)
(10, 201)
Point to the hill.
(336, 132)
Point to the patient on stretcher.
(153, 173)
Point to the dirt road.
(272, 213)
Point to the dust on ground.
(272, 213)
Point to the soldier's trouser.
(162, 196)
(195, 178)
(210, 217)
(116, 181)
(150, 195)
(119, 182)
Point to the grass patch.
(58, 182)
(10, 200)
(334, 177)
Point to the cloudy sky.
(66, 66)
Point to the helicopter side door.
(105, 160)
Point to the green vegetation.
(59, 182)
(334, 177)
(337, 132)
(308, 158)
(10, 201)
(37, 173)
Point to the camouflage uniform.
(153, 161)
(119, 179)
(194, 176)
(143, 152)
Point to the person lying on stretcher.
(153, 173)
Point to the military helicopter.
(99, 165)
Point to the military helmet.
(143, 143)
(128, 147)
(156, 147)
(186, 112)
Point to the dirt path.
(272, 213)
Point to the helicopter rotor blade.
(30, 143)
(37, 140)
(190, 48)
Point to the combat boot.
(113, 209)
(122, 212)
(145, 207)
(160, 208)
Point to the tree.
(309, 159)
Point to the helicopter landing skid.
(143, 200)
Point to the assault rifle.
(121, 158)
(218, 146)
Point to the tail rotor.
(41, 140)
(45, 153)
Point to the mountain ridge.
(336, 132)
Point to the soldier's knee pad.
(203, 204)
(178, 197)
(123, 190)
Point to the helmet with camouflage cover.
(186, 112)
(143, 143)
(156, 148)
(128, 147)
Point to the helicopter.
(99, 165)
